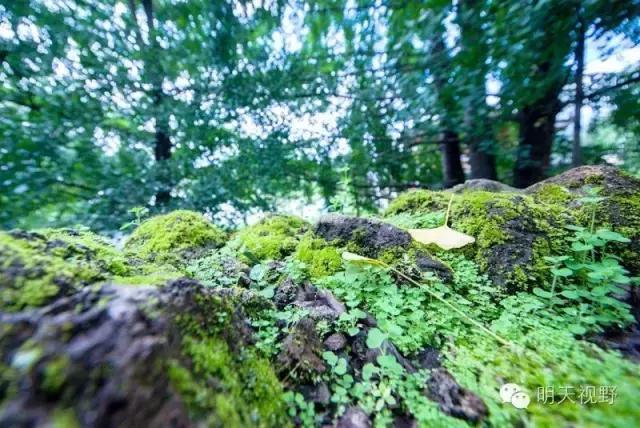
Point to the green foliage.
(397, 309)
(79, 130)
(97, 119)
(590, 278)
(139, 213)
(300, 409)
(546, 353)
(219, 268)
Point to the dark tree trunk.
(478, 139)
(483, 164)
(162, 151)
(576, 152)
(452, 172)
(537, 130)
(477, 135)
(162, 143)
(451, 165)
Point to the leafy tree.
(108, 105)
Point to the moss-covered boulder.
(377, 239)
(113, 356)
(273, 328)
(513, 232)
(619, 209)
(37, 267)
(272, 238)
(320, 258)
(368, 237)
(482, 184)
(175, 238)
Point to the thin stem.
(553, 287)
(593, 222)
(456, 310)
(446, 218)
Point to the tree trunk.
(477, 135)
(576, 152)
(481, 156)
(451, 165)
(452, 171)
(537, 130)
(483, 164)
(162, 152)
(162, 143)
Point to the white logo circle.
(514, 394)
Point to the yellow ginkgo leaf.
(443, 236)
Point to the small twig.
(446, 218)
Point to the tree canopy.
(230, 106)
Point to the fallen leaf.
(356, 258)
(443, 236)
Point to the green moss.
(65, 418)
(500, 222)
(54, 375)
(155, 278)
(80, 242)
(621, 213)
(34, 270)
(273, 238)
(171, 237)
(246, 391)
(320, 258)
(417, 201)
(223, 381)
(552, 194)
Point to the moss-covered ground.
(547, 274)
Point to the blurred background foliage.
(234, 107)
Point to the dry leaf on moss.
(356, 258)
(443, 236)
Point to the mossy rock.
(36, 267)
(320, 258)
(619, 211)
(174, 238)
(513, 232)
(365, 236)
(373, 238)
(272, 238)
(482, 184)
(179, 355)
(224, 381)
